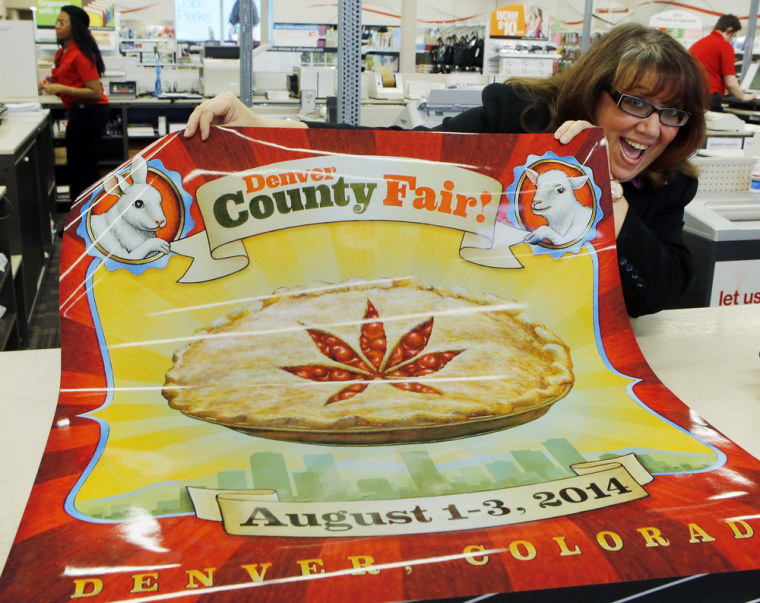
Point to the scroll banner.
(597, 485)
(320, 190)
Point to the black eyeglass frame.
(619, 97)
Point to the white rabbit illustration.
(127, 229)
(567, 219)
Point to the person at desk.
(717, 55)
(75, 78)
(647, 93)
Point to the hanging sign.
(517, 21)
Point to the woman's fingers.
(570, 129)
(221, 109)
(227, 109)
(192, 122)
(201, 119)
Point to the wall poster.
(517, 21)
(376, 365)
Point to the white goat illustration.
(127, 229)
(567, 219)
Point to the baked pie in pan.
(364, 362)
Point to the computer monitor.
(751, 79)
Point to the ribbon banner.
(343, 189)
(597, 485)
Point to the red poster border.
(683, 527)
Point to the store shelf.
(120, 144)
(7, 331)
(4, 276)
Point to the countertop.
(16, 128)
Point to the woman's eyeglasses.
(638, 107)
(63, 23)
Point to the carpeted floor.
(44, 327)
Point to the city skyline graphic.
(321, 478)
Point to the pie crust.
(364, 362)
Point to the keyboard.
(180, 95)
(748, 105)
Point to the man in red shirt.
(717, 55)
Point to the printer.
(322, 80)
(377, 86)
(440, 104)
(220, 75)
(722, 231)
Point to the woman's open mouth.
(632, 151)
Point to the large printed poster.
(301, 365)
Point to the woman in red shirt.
(75, 78)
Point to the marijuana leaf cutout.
(405, 360)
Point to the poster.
(517, 21)
(201, 20)
(735, 282)
(46, 11)
(301, 364)
(101, 13)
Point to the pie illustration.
(362, 362)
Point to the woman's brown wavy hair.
(627, 56)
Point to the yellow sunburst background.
(146, 318)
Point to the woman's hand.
(226, 109)
(51, 89)
(570, 129)
(92, 90)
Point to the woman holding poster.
(76, 80)
(647, 93)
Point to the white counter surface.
(29, 382)
(16, 128)
(708, 357)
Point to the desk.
(26, 170)
(751, 117)
(9, 332)
(706, 356)
(737, 140)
